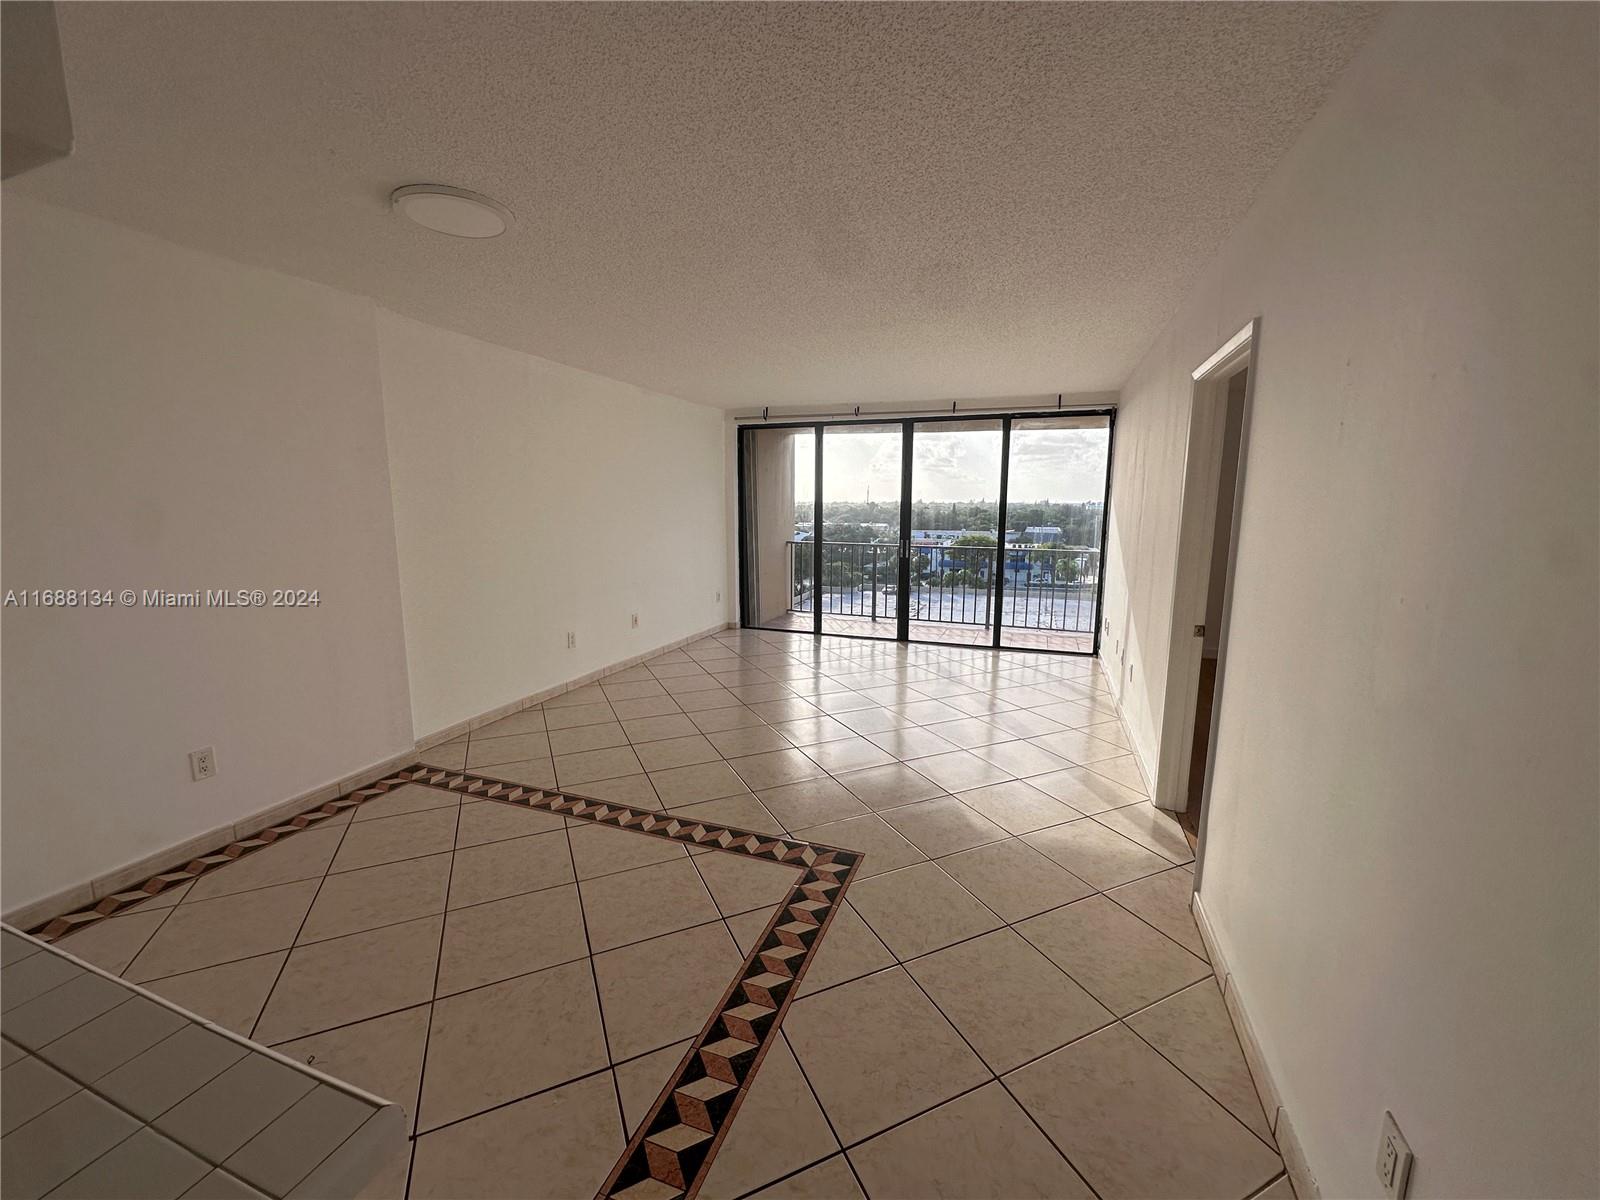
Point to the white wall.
(1402, 855)
(177, 421)
(532, 499)
(174, 420)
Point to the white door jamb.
(1196, 524)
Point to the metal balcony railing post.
(947, 594)
(874, 583)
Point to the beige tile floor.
(1013, 1000)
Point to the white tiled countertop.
(107, 1090)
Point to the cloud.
(1056, 464)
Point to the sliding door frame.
(908, 436)
(902, 610)
(816, 534)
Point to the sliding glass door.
(955, 529)
(1055, 529)
(861, 478)
(777, 481)
(974, 531)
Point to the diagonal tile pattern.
(1020, 925)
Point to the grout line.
(641, 941)
(433, 994)
(90, 1087)
(461, 780)
(994, 1076)
(1203, 1089)
(1027, 1112)
(1106, 892)
(499, 1104)
(416, 858)
(823, 1109)
(1243, 1124)
(299, 929)
(1262, 1190)
(815, 871)
(722, 916)
(903, 965)
(170, 909)
(1117, 1020)
(1011, 925)
(479, 986)
(594, 982)
(788, 1175)
(821, 665)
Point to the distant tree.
(858, 520)
(844, 531)
(840, 574)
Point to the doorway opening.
(959, 531)
(1208, 537)
(1217, 577)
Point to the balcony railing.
(1045, 589)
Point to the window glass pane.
(1055, 515)
(955, 514)
(861, 529)
(780, 477)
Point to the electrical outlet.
(202, 763)
(636, 620)
(1394, 1159)
(572, 641)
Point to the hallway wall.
(531, 499)
(1402, 856)
(177, 421)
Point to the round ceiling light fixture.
(451, 210)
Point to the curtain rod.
(766, 415)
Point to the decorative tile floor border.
(673, 1147)
(119, 902)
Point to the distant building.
(948, 535)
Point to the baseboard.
(82, 895)
(1145, 773)
(1294, 1160)
(461, 728)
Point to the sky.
(1046, 463)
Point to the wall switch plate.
(1394, 1159)
(572, 641)
(718, 599)
(202, 763)
(635, 620)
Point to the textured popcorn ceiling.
(739, 204)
